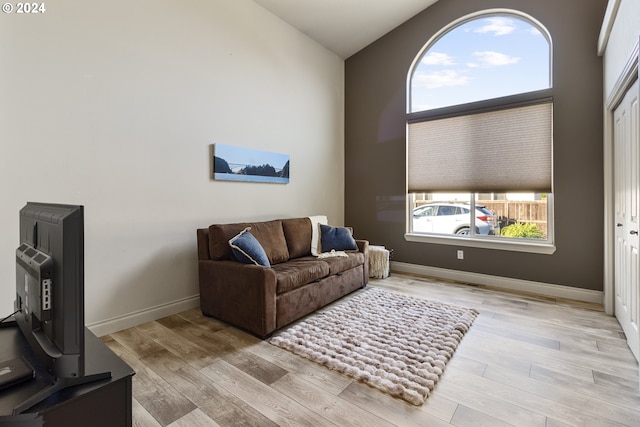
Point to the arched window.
(480, 116)
(482, 57)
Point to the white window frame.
(538, 246)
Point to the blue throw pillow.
(248, 250)
(336, 238)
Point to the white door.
(626, 141)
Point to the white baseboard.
(136, 318)
(557, 291)
(130, 320)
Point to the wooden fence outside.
(509, 211)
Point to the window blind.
(507, 150)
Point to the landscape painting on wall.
(244, 164)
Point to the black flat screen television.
(50, 285)
(50, 293)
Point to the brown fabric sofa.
(263, 299)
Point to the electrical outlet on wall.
(460, 254)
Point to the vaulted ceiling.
(345, 26)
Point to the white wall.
(622, 40)
(114, 104)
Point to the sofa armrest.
(243, 295)
(363, 246)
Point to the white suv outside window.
(452, 218)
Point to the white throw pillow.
(315, 232)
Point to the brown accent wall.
(375, 128)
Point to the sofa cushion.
(340, 264)
(271, 236)
(269, 233)
(299, 272)
(336, 238)
(248, 250)
(297, 232)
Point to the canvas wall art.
(245, 164)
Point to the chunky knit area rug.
(395, 343)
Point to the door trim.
(628, 76)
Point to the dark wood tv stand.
(105, 402)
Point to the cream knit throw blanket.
(396, 343)
(332, 254)
(378, 262)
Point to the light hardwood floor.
(526, 361)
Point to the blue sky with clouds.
(481, 59)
